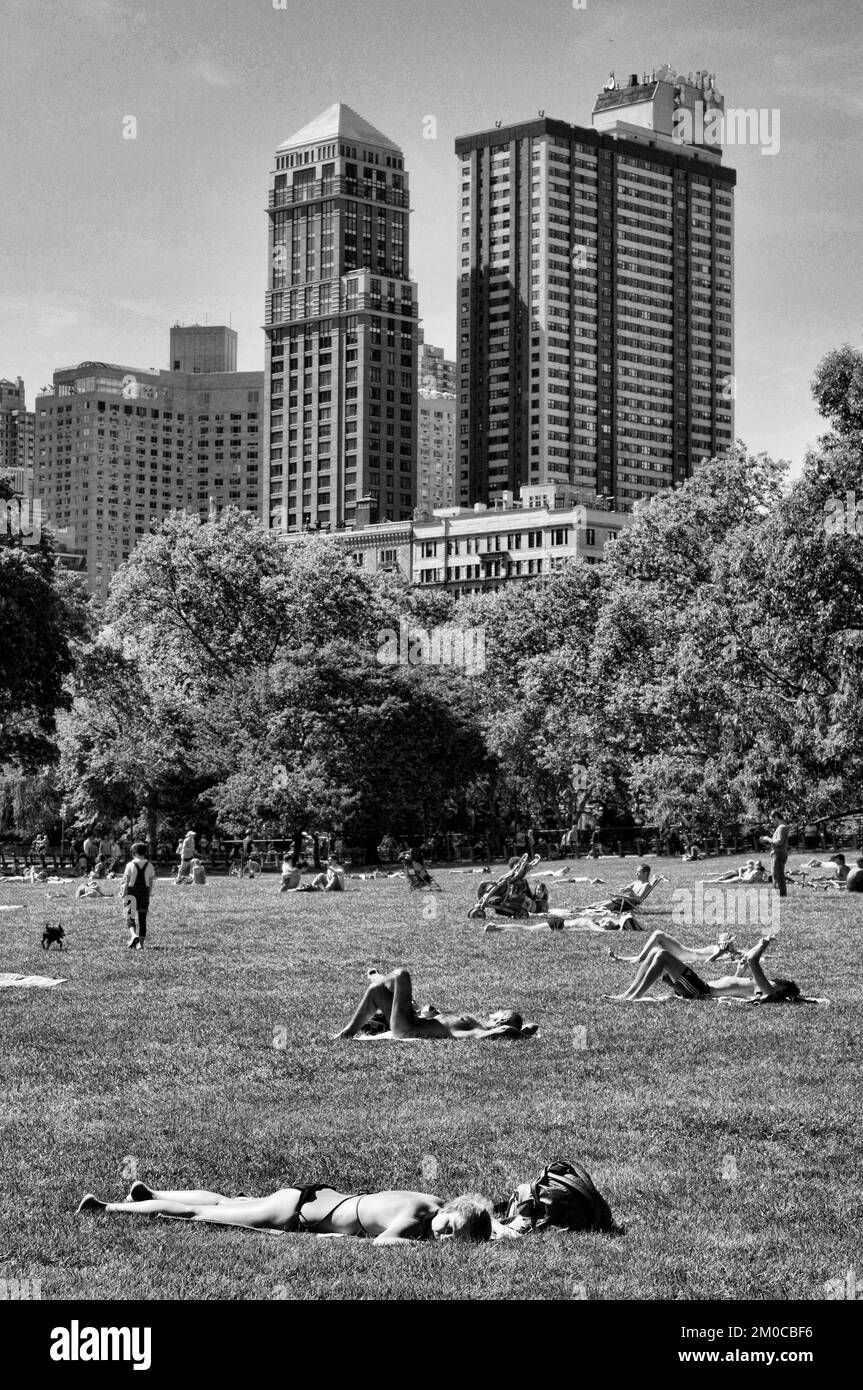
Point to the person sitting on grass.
(753, 871)
(663, 966)
(391, 997)
(388, 1218)
(199, 873)
(290, 875)
(854, 881)
(332, 880)
(837, 871)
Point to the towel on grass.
(9, 980)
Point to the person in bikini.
(391, 997)
(753, 871)
(687, 955)
(748, 985)
(387, 1218)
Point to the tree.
(838, 388)
(40, 619)
(126, 748)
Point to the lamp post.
(63, 814)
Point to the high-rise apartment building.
(341, 328)
(436, 454)
(16, 436)
(199, 347)
(118, 448)
(595, 297)
(436, 372)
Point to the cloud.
(212, 73)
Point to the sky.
(106, 241)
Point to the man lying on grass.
(388, 1218)
(391, 997)
(661, 965)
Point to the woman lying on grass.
(388, 1218)
(687, 955)
(662, 965)
(391, 996)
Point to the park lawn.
(727, 1140)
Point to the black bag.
(564, 1196)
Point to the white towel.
(9, 980)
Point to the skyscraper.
(595, 297)
(118, 448)
(16, 436)
(437, 464)
(341, 327)
(436, 458)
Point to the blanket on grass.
(9, 980)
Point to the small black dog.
(52, 934)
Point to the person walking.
(138, 880)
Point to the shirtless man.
(388, 1218)
(633, 894)
(392, 996)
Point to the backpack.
(564, 1196)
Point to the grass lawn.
(727, 1140)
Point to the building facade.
(436, 455)
(16, 436)
(199, 347)
(118, 448)
(596, 297)
(436, 372)
(341, 328)
(464, 550)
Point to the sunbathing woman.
(661, 965)
(392, 997)
(389, 1218)
(753, 871)
(687, 955)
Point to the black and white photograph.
(431, 612)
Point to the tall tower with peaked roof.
(341, 329)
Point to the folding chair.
(418, 877)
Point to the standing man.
(91, 849)
(137, 886)
(777, 843)
(188, 852)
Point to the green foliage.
(40, 619)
